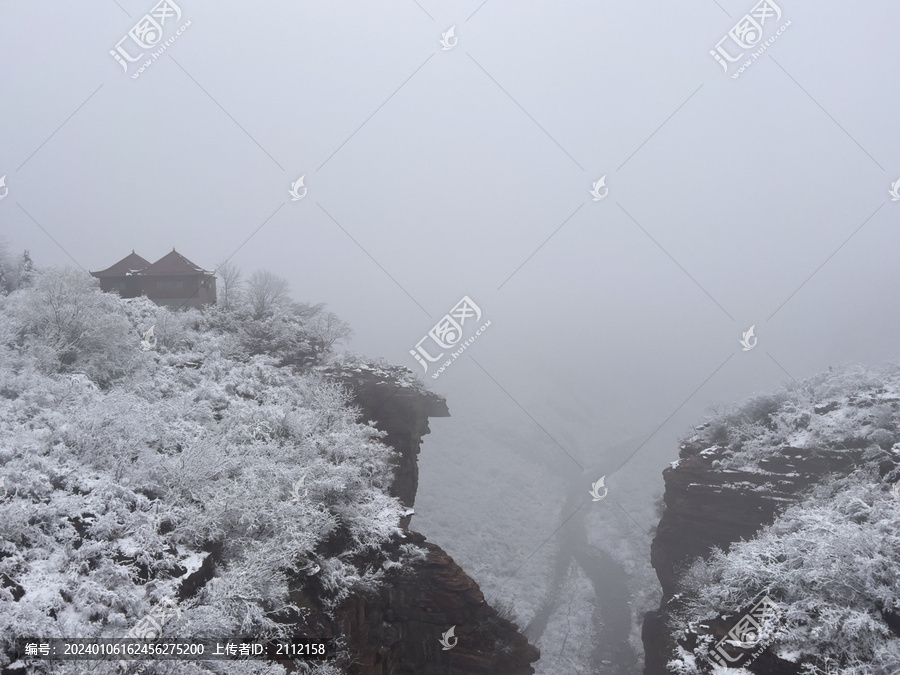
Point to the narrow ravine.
(612, 615)
(612, 654)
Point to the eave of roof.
(127, 265)
(173, 264)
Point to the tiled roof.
(172, 263)
(130, 263)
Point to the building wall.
(181, 291)
(169, 291)
(126, 287)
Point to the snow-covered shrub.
(848, 408)
(285, 337)
(189, 452)
(327, 329)
(15, 272)
(830, 563)
(69, 325)
(172, 328)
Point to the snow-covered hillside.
(793, 497)
(131, 461)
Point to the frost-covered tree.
(10, 269)
(330, 329)
(306, 311)
(267, 292)
(284, 337)
(25, 268)
(229, 287)
(6, 276)
(828, 561)
(69, 325)
(198, 453)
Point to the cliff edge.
(398, 630)
(786, 497)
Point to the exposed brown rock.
(401, 407)
(707, 506)
(397, 630)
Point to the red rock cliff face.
(399, 408)
(708, 507)
(398, 630)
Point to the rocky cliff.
(739, 472)
(219, 471)
(398, 630)
(399, 406)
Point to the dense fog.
(615, 203)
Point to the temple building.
(172, 281)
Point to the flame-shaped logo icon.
(149, 340)
(748, 341)
(600, 184)
(446, 637)
(296, 186)
(596, 487)
(894, 192)
(895, 491)
(449, 39)
(5, 190)
(295, 490)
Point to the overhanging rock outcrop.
(397, 630)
